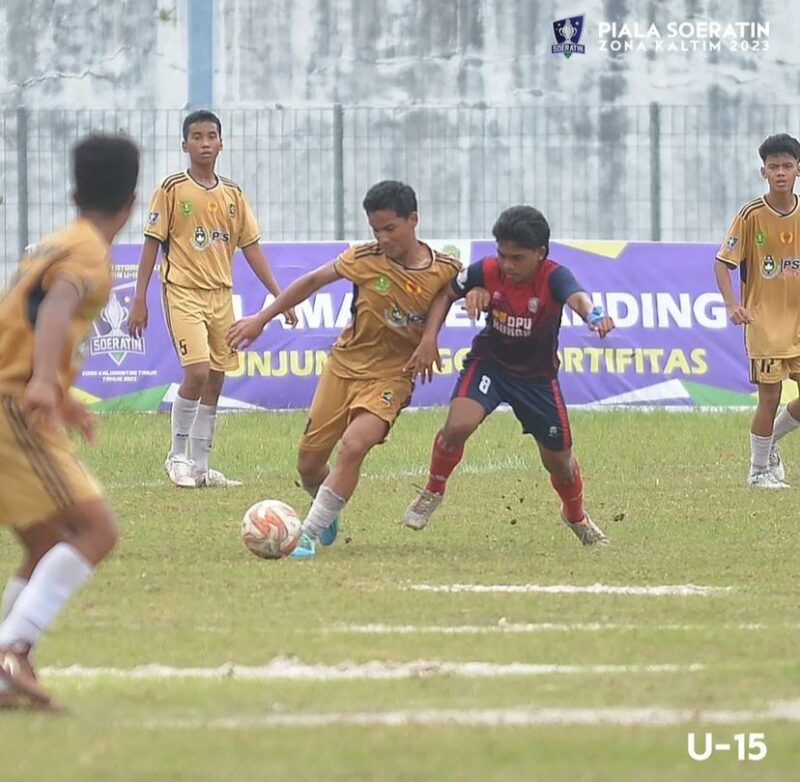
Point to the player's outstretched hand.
(41, 404)
(422, 361)
(76, 416)
(244, 332)
(739, 315)
(137, 318)
(603, 326)
(290, 316)
(477, 301)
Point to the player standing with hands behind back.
(198, 219)
(763, 242)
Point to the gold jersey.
(79, 254)
(199, 229)
(765, 246)
(390, 307)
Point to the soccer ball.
(271, 529)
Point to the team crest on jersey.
(110, 338)
(213, 206)
(152, 218)
(186, 207)
(413, 287)
(200, 238)
(382, 284)
(786, 237)
(533, 305)
(731, 242)
(387, 397)
(769, 269)
(232, 210)
(760, 238)
(396, 317)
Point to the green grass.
(182, 590)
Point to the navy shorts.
(537, 404)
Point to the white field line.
(787, 711)
(295, 670)
(538, 627)
(683, 590)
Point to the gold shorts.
(774, 370)
(198, 321)
(42, 474)
(337, 399)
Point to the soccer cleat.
(305, 547)
(16, 673)
(419, 512)
(776, 465)
(180, 470)
(764, 479)
(328, 535)
(587, 531)
(213, 478)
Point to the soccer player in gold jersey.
(47, 496)
(365, 384)
(198, 219)
(763, 242)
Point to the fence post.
(338, 171)
(22, 179)
(655, 172)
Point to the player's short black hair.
(524, 225)
(393, 195)
(779, 144)
(106, 168)
(201, 115)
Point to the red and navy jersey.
(521, 333)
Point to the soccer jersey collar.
(202, 186)
(781, 214)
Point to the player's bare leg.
(363, 433)
(760, 475)
(61, 554)
(201, 436)
(464, 416)
(565, 477)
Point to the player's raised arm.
(592, 314)
(137, 319)
(254, 255)
(426, 353)
(245, 331)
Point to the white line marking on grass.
(288, 669)
(788, 711)
(570, 589)
(539, 627)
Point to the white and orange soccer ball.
(271, 529)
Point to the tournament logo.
(152, 218)
(769, 269)
(109, 336)
(760, 238)
(186, 207)
(461, 278)
(382, 284)
(568, 33)
(731, 242)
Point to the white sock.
(202, 435)
(184, 412)
(759, 452)
(14, 586)
(324, 509)
(60, 573)
(784, 423)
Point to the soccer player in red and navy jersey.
(513, 361)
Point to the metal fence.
(656, 172)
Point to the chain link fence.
(670, 173)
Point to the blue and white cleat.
(305, 547)
(328, 535)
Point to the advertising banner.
(673, 345)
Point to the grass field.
(345, 668)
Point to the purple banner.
(673, 344)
